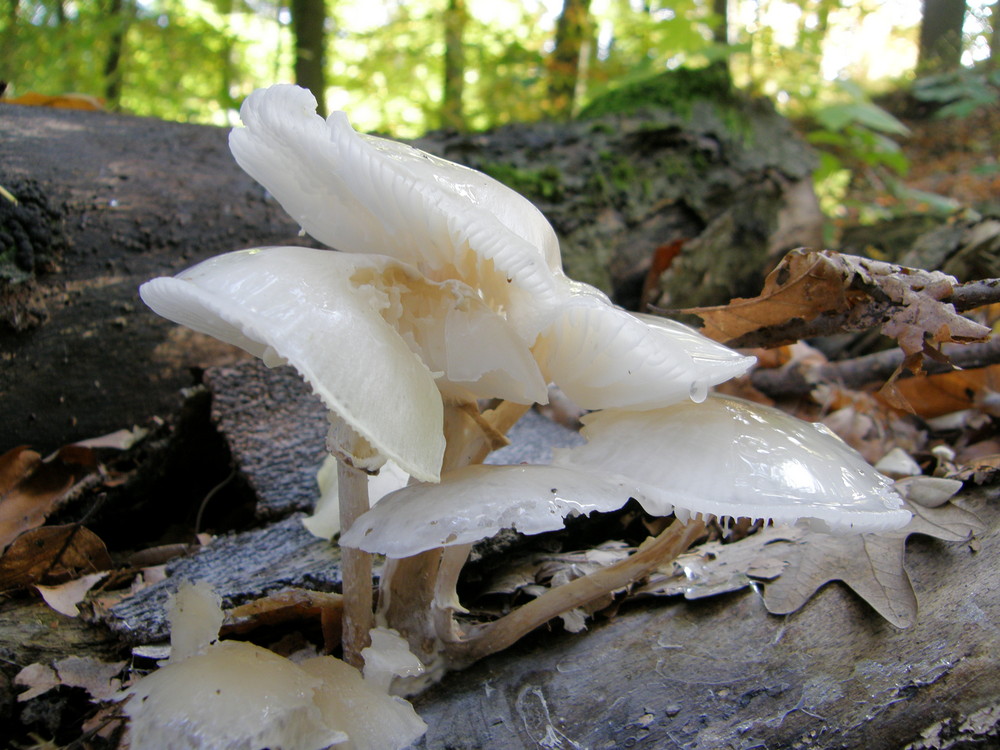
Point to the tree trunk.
(567, 66)
(720, 33)
(308, 28)
(118, 10)
(452, 111)
(994, 35)
(940, 47)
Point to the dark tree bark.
(720, 33)
(720, 28)
(940, 47)
(452, 111)
(308, 28)
(110, 201)
(568, 64)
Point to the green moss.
(675, 90)
(536, 184)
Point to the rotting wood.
(722, 672)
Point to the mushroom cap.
(730, 457)
(373, 719)
(234, 695)
(475, 502)
(374, 339)
(604, 357)
(298, 306)
(363, 194)
(725, 457)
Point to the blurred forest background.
(841, 69)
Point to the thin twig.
(496, 636)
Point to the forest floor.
(957, 158)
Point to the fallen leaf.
(52, 554)
(65, 597)
(58, 101)
(935, 395)
(289, 604)
(982, 470)
(38, 678)
(717, 568)
(871, 564)
(31, 488)
(97, 677)
(812, 293)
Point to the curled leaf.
(811, 293)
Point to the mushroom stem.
(412, 589)
(355, 566)
(488, 639)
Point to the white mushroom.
(449, 289)
(729, 457)
(362, 194)
(232, 695)
(476, 502)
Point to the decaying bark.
(128, 198)
(724, 673)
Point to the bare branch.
(872, 368)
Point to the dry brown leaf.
(813, 293)
(871, 564)
(30, 488)
(981, 470)
(52, 554)
(933, 395)
(289, 604)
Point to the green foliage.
(855, 142)
(179, 60)
(959, 93)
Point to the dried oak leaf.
(716, 568)
(871, 564)
(31, 488)
(821, 292)
(52, 554)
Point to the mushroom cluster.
(448, 291)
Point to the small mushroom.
(231, 695)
